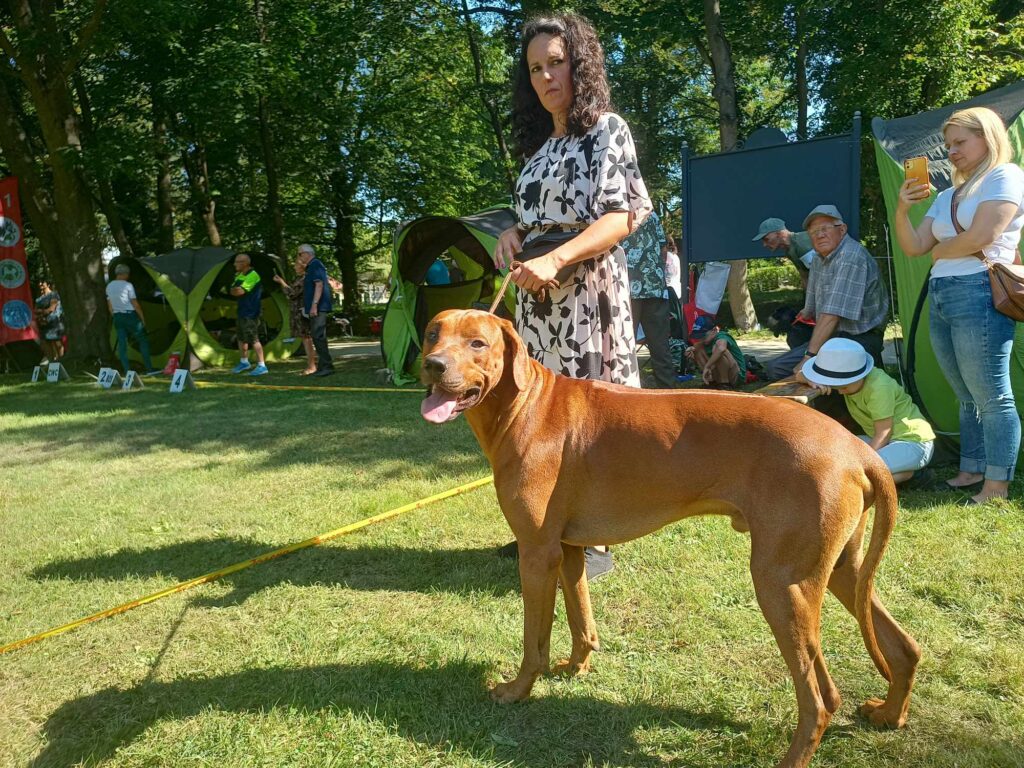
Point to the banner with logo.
(15, 291)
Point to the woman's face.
(550, 73)
(967, 150)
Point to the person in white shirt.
(972, 340)
(673, 276)
(128, 318)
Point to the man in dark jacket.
(317, 306)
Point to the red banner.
(15, 292)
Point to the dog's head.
(781, 320)
(466, 355)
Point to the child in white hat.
(894, 426)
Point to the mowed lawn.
(376, 649)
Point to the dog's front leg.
(538, 572)
(577, 610)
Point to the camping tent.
(184, 295)
(895, 141)
(468, 243)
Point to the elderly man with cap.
(845, 296)
(317, 306)
(798, 247)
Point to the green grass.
(376, 649)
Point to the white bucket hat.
(839, 362)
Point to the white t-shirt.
(121, 293)
(672, 278)
(1004, 182)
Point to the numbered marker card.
(181, 379)
(108, 377)
(35, 373)
(132, 380)
(56, 372)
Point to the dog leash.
(504, 285)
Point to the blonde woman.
(972, 341)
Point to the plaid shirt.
(849, 285)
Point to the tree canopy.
(146, 125)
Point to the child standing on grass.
(893, 425)
(716, 354)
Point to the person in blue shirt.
(248, 290)
(438, 273)
(317, 306)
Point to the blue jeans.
(129, 323)
(972, 343)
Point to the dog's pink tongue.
(438, 406)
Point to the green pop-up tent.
(467, 241)
(913, 136)
(184, 295)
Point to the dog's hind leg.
(793, 611)
(538, 572)
(898, 648)
(573, 574)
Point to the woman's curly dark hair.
(531, 123)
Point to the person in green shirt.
(893, 425)
(716, 353)
(797, 245)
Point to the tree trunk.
(76, 260)
(275, 217)
(345, 210)
(493, 113)
(164, 198)
(801, 74)
(203, 203)
(724, 92)
(102, 176)
(35, 195)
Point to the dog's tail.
(885, 520)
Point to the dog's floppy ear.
(516, 357)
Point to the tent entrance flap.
(467, 243)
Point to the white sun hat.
(839, 362)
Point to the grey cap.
(824, 210)
(767, 227)
(122, 269)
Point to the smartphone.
(916, 169)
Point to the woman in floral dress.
(580, 175)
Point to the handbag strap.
(953, 205)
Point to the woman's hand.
(510, 243)
(536, 273)
(911, 193)
(280, 280)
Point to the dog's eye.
(478, 344)
(432, 335)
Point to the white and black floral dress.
(583, 329)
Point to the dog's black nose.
(435, 364)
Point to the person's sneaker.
(152, 372)
(324, 372)
(259, 370)
(598, 563)
(245, 365)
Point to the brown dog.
(565, 454)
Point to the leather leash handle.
(540, 293)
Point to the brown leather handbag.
(1007, 280)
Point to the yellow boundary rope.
(344, 530)
(307, 388)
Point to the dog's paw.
(882, 715)
(570, 668)
(506, 693)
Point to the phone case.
(916, 168)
